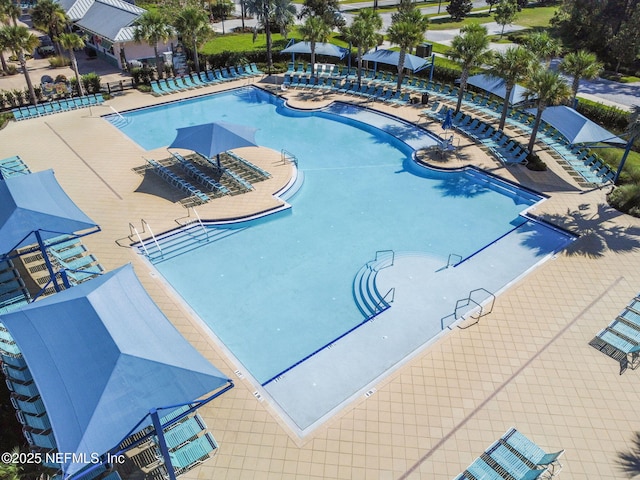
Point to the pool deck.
(528, 364)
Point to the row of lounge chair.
(181, 184)
(621, 338)
(513, 457)
(56, 106)
(12, 288)
(591, 168)
(209, 77)
(68, 254)
(12, 166)
(192, 171)
(370, 91)
(501, 145)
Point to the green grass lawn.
(528, 17)
(243, 42)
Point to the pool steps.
(369, 300)
(176, 242)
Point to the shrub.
(611, 118)
(91, 82)
(626, 198)
(18, 96)
(136, 73)
(10, 98)
(143, 87)
(535, 163)
(59, 61)
(445, 74)
(12, 69)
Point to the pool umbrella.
(104, 357)
(209, 139)
(33, 209)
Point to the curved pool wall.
(283, 289)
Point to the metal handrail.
(144, 222)
(481, 312)
(393, 256)
(286, 155)
(204, 229)
(132, 230)
(383, 301)
(454, 255)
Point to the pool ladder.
(145, 227)
(286, 156)
(480, 310)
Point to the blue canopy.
(102, 355)
(575, 127)
(328, 49)
(496, 86)
(36, 203)
(391, 57)
(210, 139)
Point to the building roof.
(110, 19)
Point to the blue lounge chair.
(195, 79)
(165, 87)
(511, 463)
(171, 83)
(531, 451)
(481, 469)
(188, 82)
(255, 69)
(155, 88)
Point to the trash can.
(425, 98)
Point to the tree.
(407, 29)
(543, 46)
(506, 13)
(580, 64)
(458, 9)
(633, 131)
(314, 30)
(70, 42)
(152, 28)
(9, 12)
(50, 17)
(20, 40)
(625, 45)
(513, 65)
(469, 49)
(263, 10)
(491, 3)
(546, 88)
(193, 25)
(363, 33)
(284, 14)
(221, 9)
(329, 10)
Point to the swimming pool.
(284, 288)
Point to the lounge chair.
(156, 89)
(511, 463)
(195, 78)
(186, 79)
(171, 83)
(532, 452)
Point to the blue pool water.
(279, 290)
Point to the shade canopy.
(322, 48)
(36, 203)
(210, 139)
(575, 127)
(391, 57)
(497, 86)
(102, 354)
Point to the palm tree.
(192, 23)
(50, 17)
(20, 40)
(633, 130)
(284, 14)
(546, 88)
(469, 49)
(263, 11)
(152, 28)
(513, 65)
(70, 42)
(8, 12)
(543, 46)
(314, 30)
(581, 64)
(363, 33)
(407, 30)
